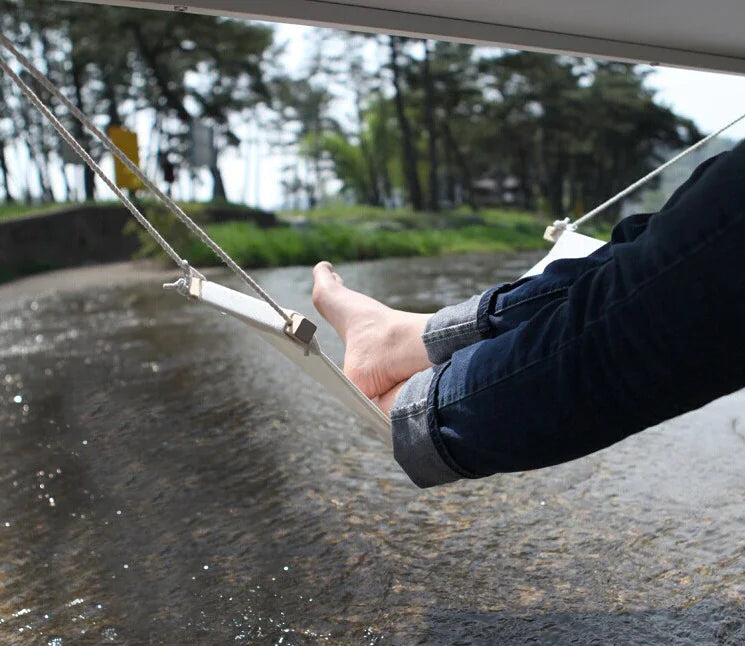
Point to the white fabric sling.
(271, 327)
(570, 244)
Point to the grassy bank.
(358, 234)
(20, 210)
(337, 233)
(254, 247)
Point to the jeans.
(551, 368)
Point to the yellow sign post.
(126, 140)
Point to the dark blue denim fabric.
(507, 305)
(596, 349)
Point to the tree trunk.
(3, 162)
(383, 157)
(67, 196)
(555, 186)
(429, 117)
(218, 186)
(45, 146)
(409, 151)
(449, 175)
(318, 192)
(42, 174)
(4, 174)
(112, 107)
(460, 159)
(373, 190)
(89, 178)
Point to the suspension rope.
(630, 189)
(122, 157)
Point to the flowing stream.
(165, 478)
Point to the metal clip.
(301, 329)
(190, 283)
(180, 285)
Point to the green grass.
(339, 232)
(19, 210)
(341, 212)
(348, 233)
(344, 233)
(254, 247)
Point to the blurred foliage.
(115, 62)
(177, 235)
(392, 121)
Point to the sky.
(710, 99)
(252, 173)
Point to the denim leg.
(506, 306)
(501, 308)
(651, 331)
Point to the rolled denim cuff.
(451, 329)
(412, 427)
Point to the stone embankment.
(83, 235)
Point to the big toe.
(324, 279)
(328, 293)
(324, 276)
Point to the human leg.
(654, 331)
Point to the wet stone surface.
(160, 483)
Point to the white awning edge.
(417, 23)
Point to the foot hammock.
(289, 332)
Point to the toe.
(323, 272)
(328, 295)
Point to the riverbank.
(348, 233)
(96, 233)
(39, 239)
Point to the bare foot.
(383, 346)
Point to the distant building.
(498, 189)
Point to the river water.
(167, 479)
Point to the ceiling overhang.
(681, 33)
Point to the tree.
(563, 132)
(224, 56)
(408, 147)
(305, 106)
(429, 120)
(5, 133)
(460, 94)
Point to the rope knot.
(553, 232)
